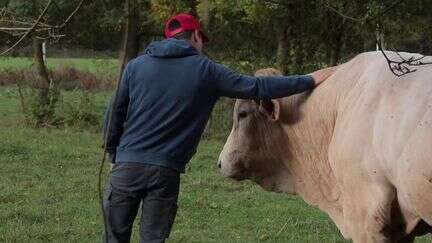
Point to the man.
(164, 101)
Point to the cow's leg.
(416, 191)
(415, 172)
(367, 210)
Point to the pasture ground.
(48, 193)
(91, 65)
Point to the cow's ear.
(271, 108)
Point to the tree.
(205, 8)
(131, 37)
(29, 21)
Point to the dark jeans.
(130, 183)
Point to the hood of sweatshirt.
(171, 48)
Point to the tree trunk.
(205, 18)
(336, 30)
(282, 50)
(130, 45)
(336, 42)
(192, 4)
(380, 36)
(43, 82)
(334, 56)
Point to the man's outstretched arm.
(232, 84)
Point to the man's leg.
(122, 201)
(159, 206)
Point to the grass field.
(48, 192)
(91, 65)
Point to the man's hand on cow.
(321, 75)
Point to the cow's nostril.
(219, 164)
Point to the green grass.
(91, 65)
(48, 192)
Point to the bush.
(80, 111)
(69, 78)
(44, 115)
(65, 78)
(77, 109)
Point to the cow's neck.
(309, 125)
(308, 121)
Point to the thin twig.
(30, 30)
(51, 30)
(413, 61)
(398, 68)
(23, 29)
(51, 36)
(402, 67)
(26, 23)
(388, 9)
(282, 3)
(365, 18)
(359, 20)
(68, 19)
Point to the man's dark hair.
(185, 35)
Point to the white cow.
(359, 147)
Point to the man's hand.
(320, 75)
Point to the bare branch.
(404, 66)
(50, 36)
(388, 9)
(333, 9)
(398, 68)
(30, 30)
(2, 11)
(31, 26)
(366, 18)
(274, 2)
(23, 29)
(68, 19)
(25, 23)
(14, 33)
(286, 3)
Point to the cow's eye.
(242, 114)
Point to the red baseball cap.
(187, 22)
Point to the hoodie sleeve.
(226, 82)
(119, 113)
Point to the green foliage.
(247, 30)
(43, 114)
(162, 10)
(80, 111)
(40, 205)
(75, 108)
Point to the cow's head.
(255, 146)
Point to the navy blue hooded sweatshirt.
(166, 96)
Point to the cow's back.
(383, 132)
